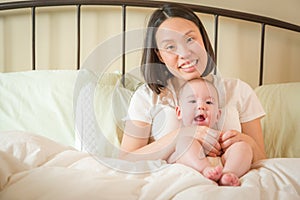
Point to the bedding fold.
(34, 167)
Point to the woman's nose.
(183, 51)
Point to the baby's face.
(199, 104)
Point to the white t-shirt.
(239, 104)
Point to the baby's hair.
(206, 81)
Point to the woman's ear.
(158, 55)
(178, 112)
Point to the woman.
(178, 49)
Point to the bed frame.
(216, 12)
(37, 155)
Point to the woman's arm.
(252, 135)
(254, 130)
(135, 145)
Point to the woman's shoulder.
(144, 89)
(230, 80)
(141, 98)
(233, 88)
(143, 94)
(234, 83)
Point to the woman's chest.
(164, 120)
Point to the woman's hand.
(230, 137)
(252, 134)
(208, 138)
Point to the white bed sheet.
(33, 167)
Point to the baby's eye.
(192, 101)
(209, 102)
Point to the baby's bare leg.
(237, 161)
(194, 157)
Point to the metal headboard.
(216, 12)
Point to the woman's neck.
(177, 82)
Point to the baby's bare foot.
(229, 179)
(213, 173)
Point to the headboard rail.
(216, 12)
(154, 4)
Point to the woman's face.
(181, 48)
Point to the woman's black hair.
(154, 71)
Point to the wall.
(238, 50)
(240, 42)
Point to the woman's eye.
(170, 48)
(189, 39)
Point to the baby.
(199, 106)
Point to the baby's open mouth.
(200, 118)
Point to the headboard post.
(33, 50)
(216, 40)
(123, 43)
(78, 34)
(262, 47)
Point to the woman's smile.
(189, 66)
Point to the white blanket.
(33, 167)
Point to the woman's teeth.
(189, 65)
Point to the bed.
(41, 158)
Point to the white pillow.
(40, 102)
(99, 128)
(281, 125)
